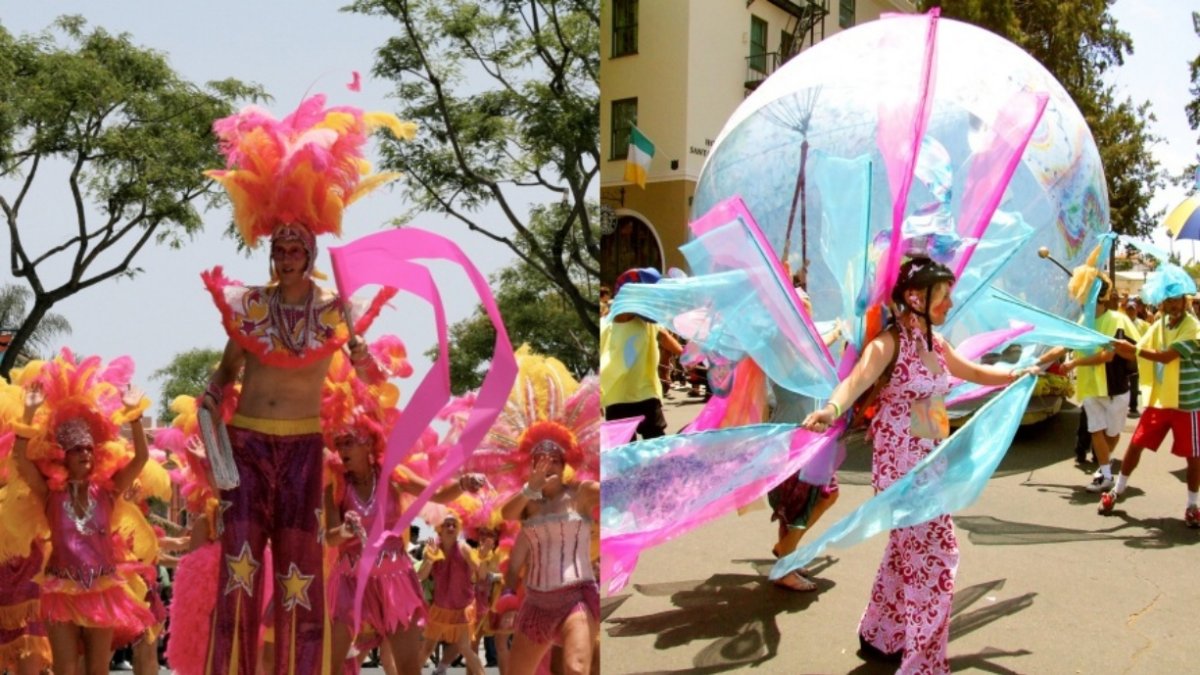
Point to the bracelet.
(530, 493)
(837, 409)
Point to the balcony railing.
(759, 67)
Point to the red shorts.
(1184, 426)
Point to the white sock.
(1122, 483)
(1193, 498)
(1106, 471)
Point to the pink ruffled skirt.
(543, 612)
(392, 600)
(107, 603)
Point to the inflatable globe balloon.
(914, 134)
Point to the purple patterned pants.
(278, 499)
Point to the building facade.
(677, 69)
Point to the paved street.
(1045, 584)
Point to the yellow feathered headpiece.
(1082, 278)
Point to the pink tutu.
(393, 597)
(543, 612)
(195, 595)
(106, 603)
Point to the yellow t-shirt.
(1090, 381)
(1162, 379)
(629, 362)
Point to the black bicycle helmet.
(921, 272)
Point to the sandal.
(794, 581)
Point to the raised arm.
(25, 468)
(514, 508)
(124, 478)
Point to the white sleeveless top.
(559, 548)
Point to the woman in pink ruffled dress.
(84, 601)
(393, 602)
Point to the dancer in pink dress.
(77, 450)
(908, 616)
(562, 600)
(357, 420)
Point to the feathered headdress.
(546, 407)
(83, 402)
(304, 169)
(350, 405)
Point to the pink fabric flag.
(902, 125)
(387, 258)
(618, 432)
(699, 477)
(993, 168)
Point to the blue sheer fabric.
(948, 479)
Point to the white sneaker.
(1100, 484)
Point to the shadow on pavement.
(1151, 533)
(610, 605)
(735, 612)
(963, 622)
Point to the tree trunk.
(41, 305)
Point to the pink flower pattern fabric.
(909, 609)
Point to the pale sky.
(1157, 71)
(290, 48)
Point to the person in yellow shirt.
(1131, 311)
(1102, 384)
(629, 357)
(1169, 356)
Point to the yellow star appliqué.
(295, 588)
(241, 570)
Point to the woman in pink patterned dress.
(908, 616)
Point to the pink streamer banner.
(710, 415)
(733, 209)
(902, 125)
(976, 346)
(817, 454)
(992, 169)
(618, 432)
(387, 258)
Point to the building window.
(624, 116)
(845, 13)
(785, 45)
(758, 44)
(625, 27)
(631, 244)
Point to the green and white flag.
(637, 162)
